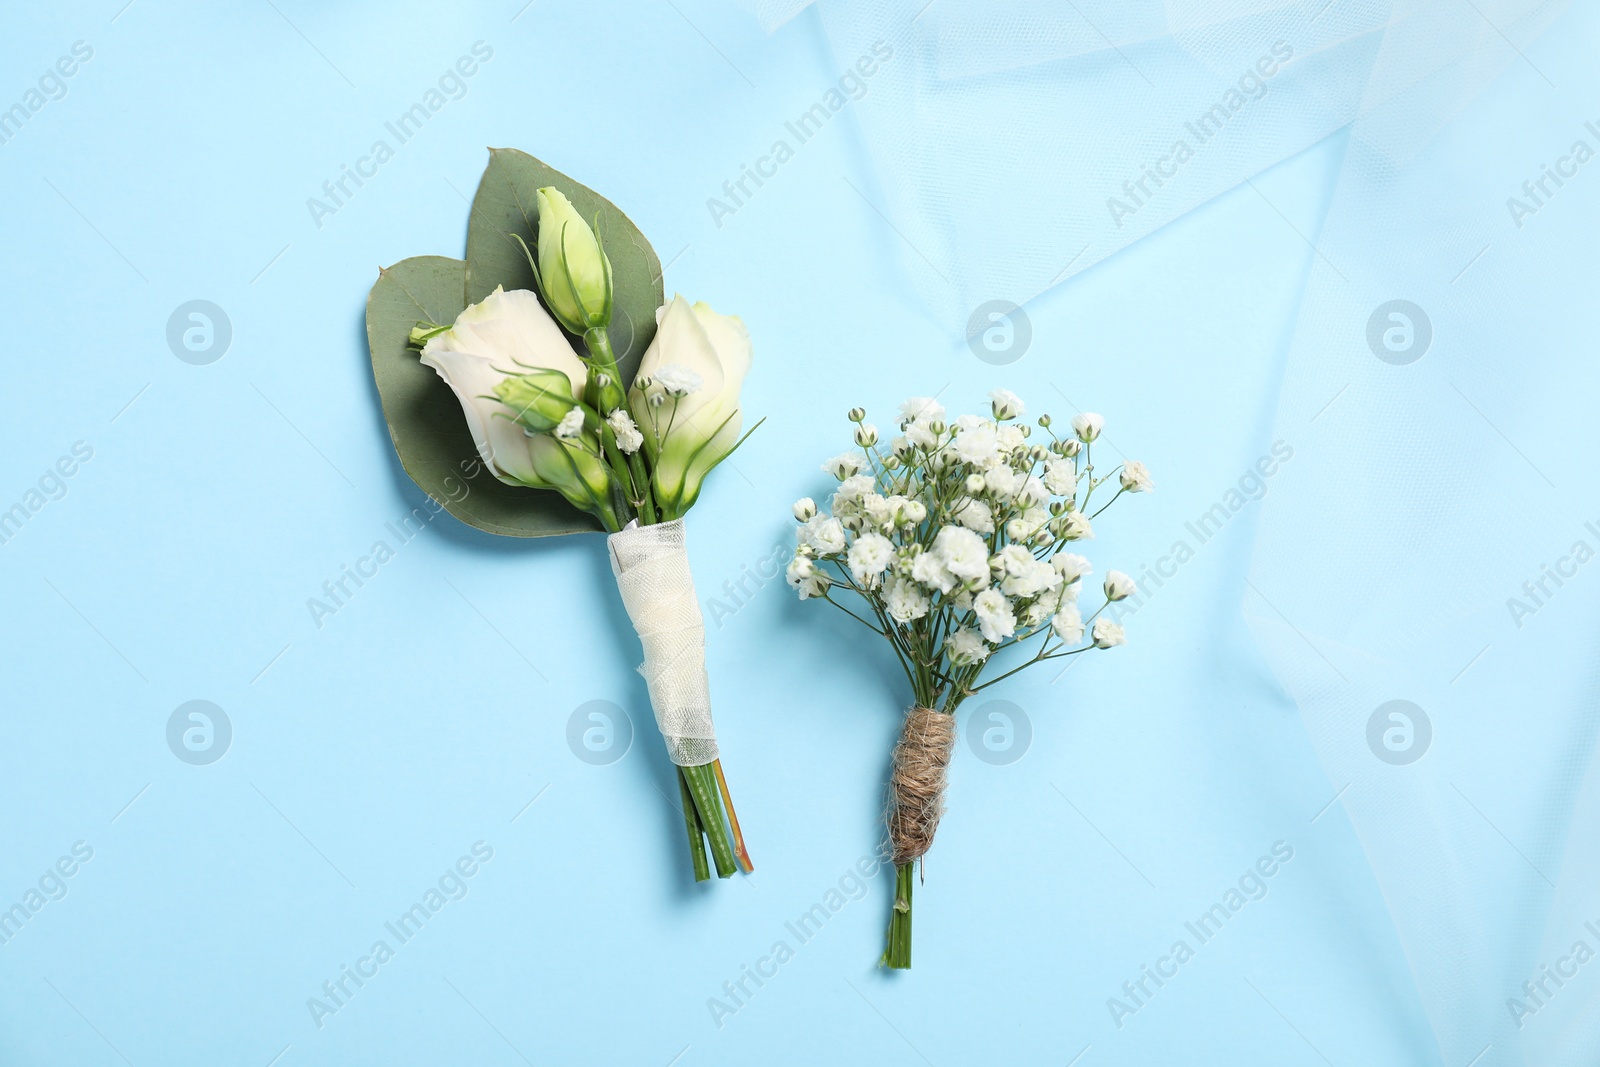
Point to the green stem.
(641, 481)
(691, 822)
(898, 954)
(702, 782)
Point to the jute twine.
(917, 781)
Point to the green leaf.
(504, 206)
(425, 420)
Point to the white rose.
(700, 428)
(504, 335)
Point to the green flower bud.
(572, 468)
(539, 400)
(574, 273)
(856, 414)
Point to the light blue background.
(368, 754)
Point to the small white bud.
(805, 509)
(1087, 426)
(1119, 586)
(1005, 404)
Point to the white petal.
(472, 377)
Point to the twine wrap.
(651, 566)
(917, 781)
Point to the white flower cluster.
(955, 535)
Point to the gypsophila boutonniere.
(956, 541)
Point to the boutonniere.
(951, 542)
(548, 374)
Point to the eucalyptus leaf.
(504, 208)
(426, 423)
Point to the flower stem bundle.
(951, 541)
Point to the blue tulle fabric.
(1426, 575)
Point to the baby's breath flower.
(1087, 426)
(977, 445)
(1060, 478)
(1070, 566)
(804, 509)
(962, 552)
(929, 569)
(966, 647)
(571, 424)
(823, 534)
(815, 586)
(996, 618)
(904, 601)
(1074, 526)
(843, 465)
(869, 557)
(1107, 634)
(1119, 586)
(973, 514)
(1003, 482)
(1068, 624)
(800, 568)
(1135, 477)
(627, 432)
(1006, 405)
(677, 379)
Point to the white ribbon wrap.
(651, 566)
